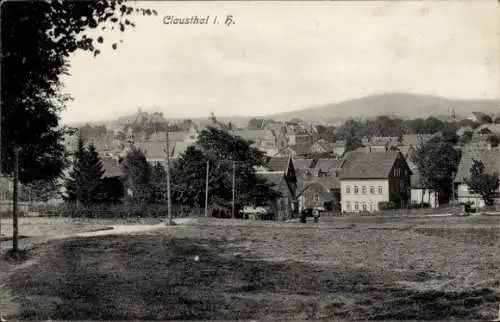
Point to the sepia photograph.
(250, 160)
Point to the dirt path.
(129, 228)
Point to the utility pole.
(15, 233)
(1, 172)
(452, 187)
(167, 170)
(206, 190)
(234, 177)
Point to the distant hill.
(401, 105)
(407, 106)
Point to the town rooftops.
(374, 165)
(329, 182)
(494, 128)
(490, 159)
(327, 164)
(254, 135)
(156, 150)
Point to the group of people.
(306, 212)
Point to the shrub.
(419, 205)
(386, 205)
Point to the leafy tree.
(497, 120)
(466, 137)
(494, 140)
(352, 142)
(85, 177)
(437, 162)
(466, 122)
(482, 183)
(45, 190)
(486, 119)
(450, 137)
(484, 131)
(220, 148)
(158, 183)
(136, 177)
(38, 39)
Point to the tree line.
(142, 183)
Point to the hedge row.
(114, 210)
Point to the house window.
(356, 205)
(348, 189)
(316, 197)
(364, 206)
(371, 206)
(363, 190)
(372, 190)
(379, 190)
(356, 189)
(348, 205)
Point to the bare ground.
(258, 270)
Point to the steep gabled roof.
(274, 177)
(278, 164)
(319, 185)
(490, 159)
(373, 165)
(301, 163)
(329, 182)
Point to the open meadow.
(345, 268)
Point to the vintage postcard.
(250, 160)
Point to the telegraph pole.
(206, 190)
(234, 177)
(167, 170)
(15, 233)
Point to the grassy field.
(340, 268)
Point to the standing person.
(316, 215)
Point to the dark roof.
(490, 159)
(156, 150)
(111, 167)
(301, 149)
(319, 185)
(254, 135)
(330, 182)
(374, 165)
(301, 163)
(415, 178)
(327, 164)
(278, 164)
(275, 177)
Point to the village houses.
(369, 179)
(281, 173)
(491, 161)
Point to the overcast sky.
(281, 56)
